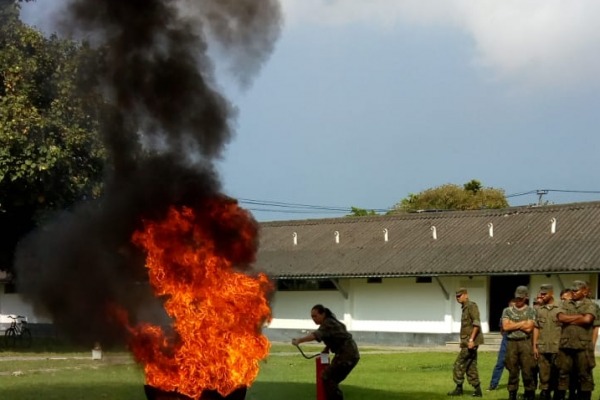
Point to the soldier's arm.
(527, 326)
(475, 331)
(536, 336)
(576, 319)
(509, 326)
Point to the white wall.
(12, 304)
(395, 305)
(291, 310)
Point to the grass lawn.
(381, 374)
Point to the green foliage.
(473, 186)
(361, 212)
(471, 196)
(50, 151)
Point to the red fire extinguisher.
(322, 363)
(322, 360)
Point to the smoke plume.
(164, 125)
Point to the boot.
(529, 395)
(477, 392)
(545, 394)
(457, 391)
(512, 395)
(559, 395)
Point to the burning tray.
(153, 393)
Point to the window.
(424, 279)
(374, 280)
(305, 284)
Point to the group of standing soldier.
(553, 340)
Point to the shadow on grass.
(305, 391)
(259, 391)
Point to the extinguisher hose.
(304, 355)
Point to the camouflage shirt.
(515, 315)
(333, 333)
(549, 328)
(573, 336)
(468, 320)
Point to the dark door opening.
(502, 290)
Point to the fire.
(217, 311)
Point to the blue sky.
(363, 102)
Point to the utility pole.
(541, 193)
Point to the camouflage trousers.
(519, 360)
(466, 363)
(341, 365)
(548, 371)
(577, 364)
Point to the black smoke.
(164, 123)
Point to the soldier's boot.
(529, 395)
(477, 392)
(512, 395)
(545, 394)
(458, 391)
(559, 395)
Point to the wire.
(553, 190)
(299, 208)
(302, 208)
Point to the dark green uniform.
(548, 339)
(466, 361)
(519, 350)
(339, 341)
(576, 349)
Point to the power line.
(537, 191)
(302, 208)
(299, 208)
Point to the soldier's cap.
(522, 292)
(545, 288)
(579, 285)
(461, 290)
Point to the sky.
(364, 102)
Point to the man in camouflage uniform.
(518, 323)
(546, 335)
(470, 339)
(576, 352)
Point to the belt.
(519, 339)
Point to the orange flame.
(217, 311)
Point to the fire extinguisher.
(322, 363)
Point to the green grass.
(285, 375)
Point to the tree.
(471, 196)
(51, 155)
(361, 212)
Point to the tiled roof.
(522, 243)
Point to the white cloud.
(534, 42)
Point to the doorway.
(502, 290)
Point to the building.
(392, 279)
